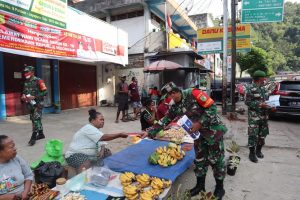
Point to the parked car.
(216, 91)
(289, 100)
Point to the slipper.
(117, 121)
(124, 120)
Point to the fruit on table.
(143, 180)
(143, 187)
(135, 139)
(160, 184)
(175, 133)
(167, 156)
(153, 158)
(131, 192)
(127, 178)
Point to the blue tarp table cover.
(135, 159)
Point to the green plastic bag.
(53, 152)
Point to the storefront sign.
(52, 12)
(217, 32)
(22, 36)
(109, 48)
(210, 40)
(176, 42)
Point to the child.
(148, 116)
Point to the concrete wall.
(106, 80)
(135, 29)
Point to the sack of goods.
(48, 172)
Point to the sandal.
(117, 121)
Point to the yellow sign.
(176, 42)
(52, 12)
(55, 9)
(241, 43)
(217, 32)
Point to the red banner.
(21, 34)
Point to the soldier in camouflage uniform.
(256, 95)
(209, 148)
(33, 95)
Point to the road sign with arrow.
(258, 11)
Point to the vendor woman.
(85, 146)
(15, 174)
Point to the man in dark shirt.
(122, 89)
(135, 97)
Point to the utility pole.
(224, 67)
(167, 27)
(233, 53)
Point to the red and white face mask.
(27, 75)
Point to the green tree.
(256, 59)
(281, 40)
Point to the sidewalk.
(277, 177)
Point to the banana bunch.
(166, 160)
(127, 178)
(161, 150)
(147, 195)
(143, 180)
(159, 185)
(176, 153)
(131, 192)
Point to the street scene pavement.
(276, 177)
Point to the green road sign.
(258, 11)
(257, 4)
(262, 15)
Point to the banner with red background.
(40, 40)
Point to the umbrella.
(162, 65)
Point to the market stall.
(132, 161)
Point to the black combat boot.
(200, 186)
(32, 139)
(259, 154)
(219, 191)
(252, 155)
(40, 135)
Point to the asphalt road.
(276, 177)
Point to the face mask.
(27, 75)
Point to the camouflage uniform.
(257, 117)
(35, 87)
(209, 148)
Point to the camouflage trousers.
(257, 132)
(209, 154)
(36, 117)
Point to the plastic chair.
(53, 152)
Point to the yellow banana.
(130, 190)
(147, 195)
(132, 197)
(165, 149)
(173, 161)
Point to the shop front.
(68, 60)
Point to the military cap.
(169, 87)
(259, 73)
(29, 69)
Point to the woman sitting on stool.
(84, 148)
